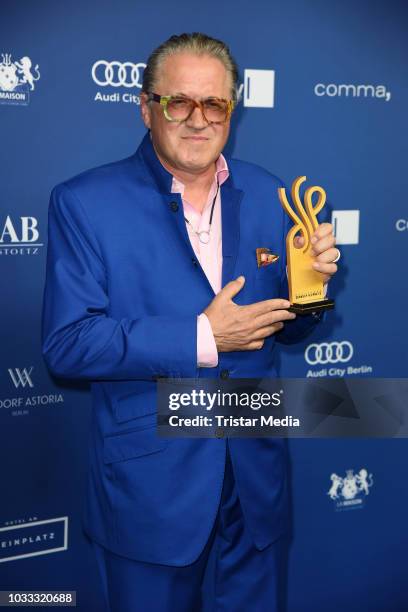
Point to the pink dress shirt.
(209, 255)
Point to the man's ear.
(145, 110)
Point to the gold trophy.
(306, 292)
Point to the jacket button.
(174, 206)
(224, 374)
(219, 432)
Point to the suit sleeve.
(301, 327)
(79, 338)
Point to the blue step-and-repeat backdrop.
(323, 94)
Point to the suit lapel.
(178, 218)
(230, 206)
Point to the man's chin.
(196, 165)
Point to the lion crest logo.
(352, 489)
(17, 78)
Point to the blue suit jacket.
(122, 295)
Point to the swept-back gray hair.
(197, 43)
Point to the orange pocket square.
(264, 257)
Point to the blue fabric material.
(230, 574)
(122, 295)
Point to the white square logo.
(259, 88)
(346, 226)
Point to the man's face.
(193, 145)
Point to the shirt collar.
(221, 173)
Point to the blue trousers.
(230, 575)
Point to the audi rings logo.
(333, 352)
(118, 74)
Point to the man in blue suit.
(152, 272)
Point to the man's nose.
(196, 119)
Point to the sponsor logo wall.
(17, 79)
(350, 491)
(346, 225)
(333, 356)
(352, 91)
(305, 107)
(20, 236)
(33, 538)
(258, 87)
(119, 78)
(19, 405)
(402, 225)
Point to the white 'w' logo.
(21, 377)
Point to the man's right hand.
(244, 328)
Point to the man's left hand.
(323, 248)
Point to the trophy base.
(305, 309)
